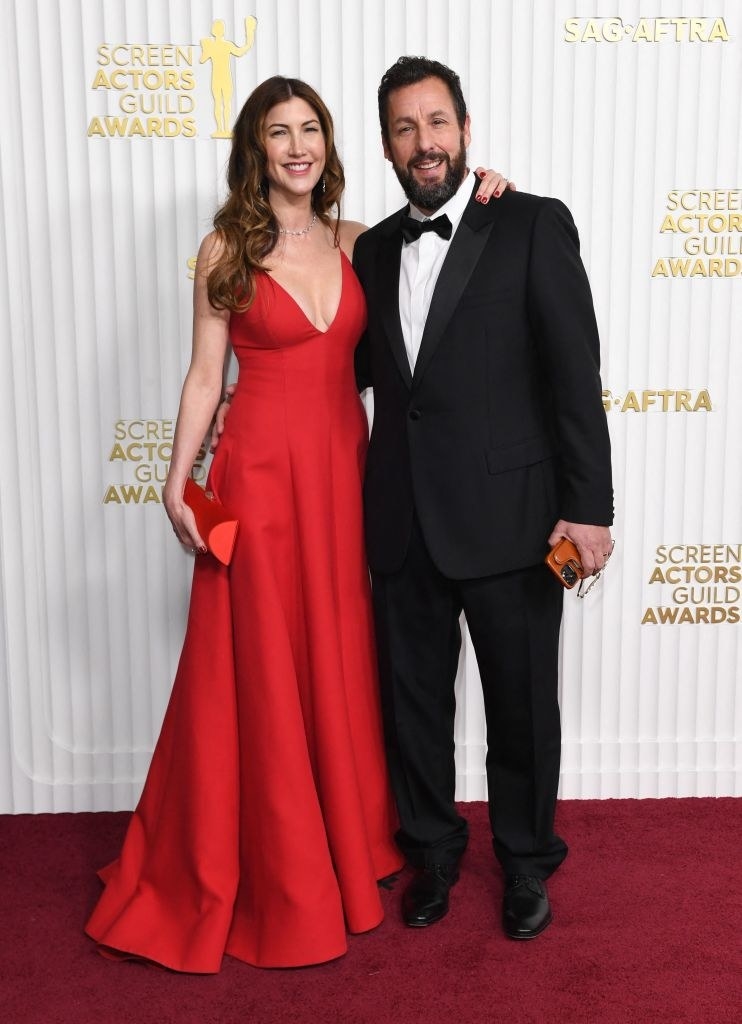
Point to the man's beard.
(433, 195)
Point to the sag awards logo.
(709, 223)
(664, 400)
(646, 30)
(702, 581)
(152, 86)
(142, 449)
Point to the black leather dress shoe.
(525, 907)
(425, 900)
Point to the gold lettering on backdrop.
(706, 582)
(135, 127)
(128, 495)
(709, 223)
(646, 30)
(154, 86)
(166, 56)
(662, 400)
(699, 554)
(218, 50)
(699, 199)
(143, 448)
(156, 83)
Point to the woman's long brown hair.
(246, 224)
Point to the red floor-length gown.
(265, 820)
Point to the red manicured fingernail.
(497, 192)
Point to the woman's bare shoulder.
(348, 232)
(211, 248)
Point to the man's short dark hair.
(409, 71)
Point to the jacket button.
(415, 414)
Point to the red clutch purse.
(217, 527)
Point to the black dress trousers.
(514, 621)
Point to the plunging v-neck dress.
(265, 819)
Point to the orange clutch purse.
(564, 562)
(217, 527)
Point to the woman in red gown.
(265, 819)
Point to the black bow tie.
(412, 229)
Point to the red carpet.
(647, 912)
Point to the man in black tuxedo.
(489, 443)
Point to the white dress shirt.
(420, 266)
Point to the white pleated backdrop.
(95, 294)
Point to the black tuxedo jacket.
(501, 430)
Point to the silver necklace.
(304, 231)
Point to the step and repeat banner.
(115, 134)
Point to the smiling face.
(426, 143)
(294, 148)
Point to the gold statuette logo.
(219, 50)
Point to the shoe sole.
(425, 924)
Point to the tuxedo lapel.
(461, 259)
(388, 257)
